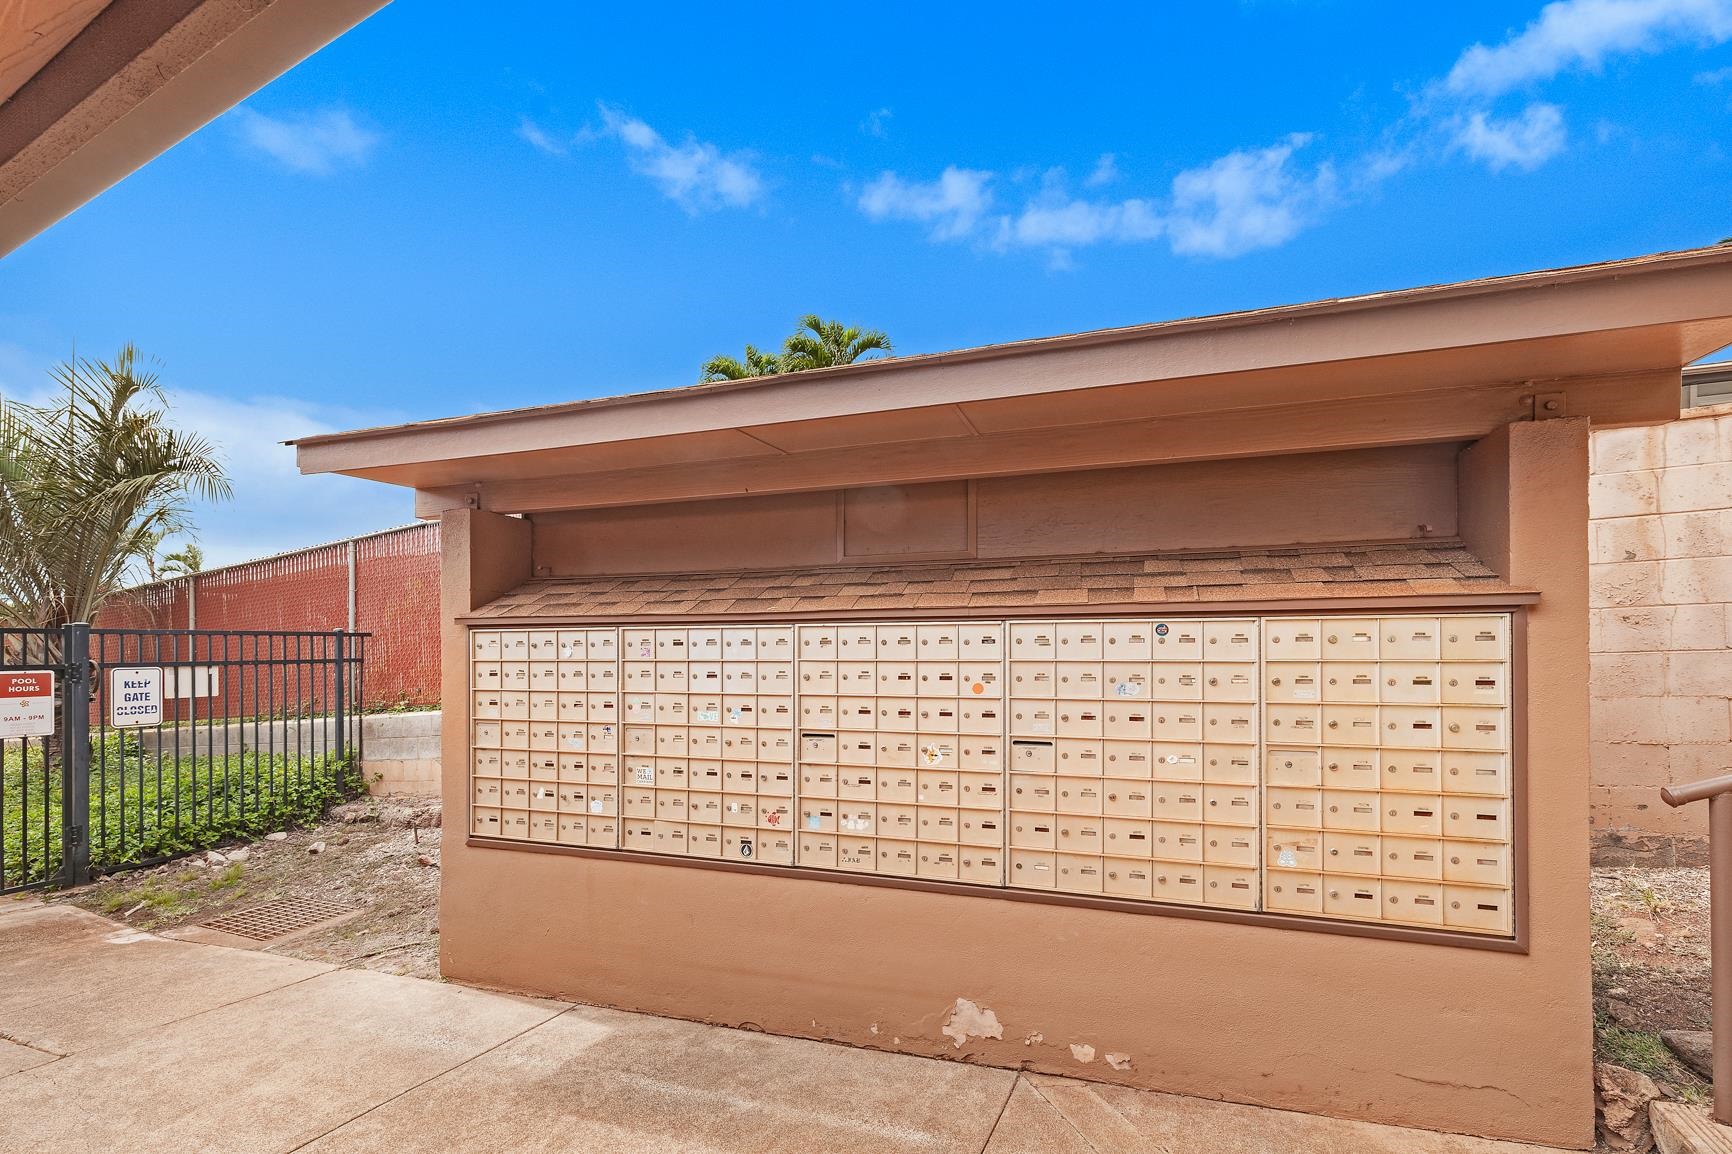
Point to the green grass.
(145, 810)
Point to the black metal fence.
(165, 742)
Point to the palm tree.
(822, 344)
(183, 562)
(756, 364)
(93, 481)
(816, 344)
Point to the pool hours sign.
(26, 703)
(134, 696)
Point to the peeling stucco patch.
(1034, 1039)
(968, 1020)
(874, 1028)
(1082, 1053)
(1119, 1061)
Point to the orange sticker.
(977, 687)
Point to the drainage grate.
(277, 918)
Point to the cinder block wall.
(1661, 639)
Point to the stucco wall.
(1661, 537)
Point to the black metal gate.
(228, 734)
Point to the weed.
(229, 878)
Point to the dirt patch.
(1651, 969)
(380, 857)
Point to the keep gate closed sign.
(26, 704)
(134, 696)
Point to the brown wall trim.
(1506, 600)
(1513, 945)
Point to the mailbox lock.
(1274, 681)
(1454, 727)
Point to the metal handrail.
(1717, 791)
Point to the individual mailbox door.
(573, 829)
(1295, 724)
(983, 716)
(484, 646)
(1081, 719)
(1128, 720)
(1079, 641)
(1176, 722)
(1485, 774)
(937, 787)
(937, 716)
(818, 850)
(1477, 862)
(639, 835)
(1033, 756)
(1236, 847)
(897, 858)
(935, 751)
(1176, 681)
(1294, 808)
(1232, 764)
(1080, 679)
(671, 645)
(983, 790)
(1129, 879)
(1474, 683)
(1475, 638)
(704, 677)
(818, 747)
(1081, 835)
(857, 677)
(1127, 641)
(1350, 682)
(985, 866)
(1292, 639)
(1411, 726)
(1230, 886)
(704, 808)
(1286, 891)
(1033, 831)
(574, 676)
(1467, 727)
(639, 803)
(514, 645)
(1176, 640)
(857, 854)
(1350, 768)
(1033, 869)
(898, 715)
(818, 643)
(487, 734)
(739, 644)
(1037, 794)
(514, 675)
(1294, 767)
(1412, 857)
(857, 713)
(1354, 810)
(1170, 802)
(1079, 795)
(819, 712)
(1127, 799)
(1410, 639)
(1177, 841)
(1416, 903)
(815, 780)
(1034, 717)
(937, 642)
(981, 642)
(1034, 678)
(1226, 682)
(602, 708)
(639, 676)
(776, 780)
(1079, 756)
(1178, 883)
(1352, 853)
(1289, 850)
(898, 821)
(897, 679)
(1126, 681)
(670, 805)
(1230, 804)
(937, 861)
(1476, 818)
(776, 712)
(897, 643)
(635, 645)
(1349, 639)
(1412, 815)
(980, 827)
(1230, 640)
(1476, 909)
(975, 680)
(937, 679)
(858, 749)
(669, 708)
(488, 675)
(704, 774)
(775, 643)
(1134, 759)
(937, 824)
(1033, 641)
(1126, 837)
(980, 753)
(1410, 682)
(1288, 682)
(897, 785)
(1351, 725)
(704, 645)
(485, 705)
(1359, 898)
(818, 677)
(1411, 771)
(486, 762)
(671, 677)
(1079, 874)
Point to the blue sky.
(442, 214)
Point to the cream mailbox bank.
(1210, 696)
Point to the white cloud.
(953, 204)
(1061, 222)
(317, 143)
(695, 175)
(1571, 34)
(274, 508)
(877, 122)
(537, 136)
(1523, 142)
(1246, 200)
(1105, 172)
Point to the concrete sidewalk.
(111, 1038)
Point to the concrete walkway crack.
(430, 1078)
(1003, 1106)
(1053, 1106)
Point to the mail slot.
(1233, 886)
(1176, 640)
(1476, 909)
(1475, 638)
(1288, 682)
(1033, 869)
(1352, 853)
(1465, 727)
(1351, 810)
(1033, 756)
(1286, 849)
(1127, 640)
(1230, 764)
(1230, 804)
(1292, 639)
(1293, 767)
(1294, 808)
(1078, 756)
